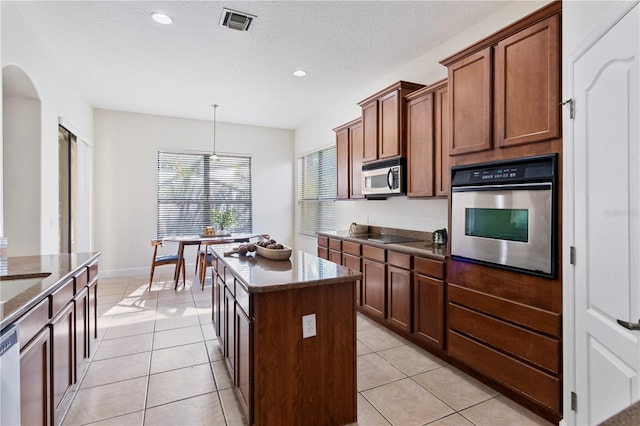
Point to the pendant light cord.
(215, 106)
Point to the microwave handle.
(390, 179)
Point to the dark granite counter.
(423, 247)
(17, 296)
(260, 275)
(628, 416)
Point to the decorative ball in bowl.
(275, 254)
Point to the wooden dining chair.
(167, 259)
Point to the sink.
(24, 276)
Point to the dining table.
(189, 240)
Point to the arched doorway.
(21, 163)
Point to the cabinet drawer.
(430, 267)
(401, 260)
(61, 297)
(516, 341)
(92, 270)
(523, 378)
(32, 322)
(374, 253)
(229, 281)
(323, 253)
(351, 248)
(242, 299)
(335, 244)
(80, 281)
(323, 241)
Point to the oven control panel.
(532, 169)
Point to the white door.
(607, 221)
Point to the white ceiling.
(120, 59)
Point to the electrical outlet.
(308, 325)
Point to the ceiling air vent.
(236, 20)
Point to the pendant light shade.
(213, 154)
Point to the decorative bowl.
(356, 229)
(275, 254)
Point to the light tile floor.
(158, 363)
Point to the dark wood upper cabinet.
(428, 141)
(349, 156)
(356, 151)
(383, 121)
(420, 145)
(470, 103)
(342, 164)
(527, 81)
(504, 90)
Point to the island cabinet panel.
(528, 85)
(243, 352)
(35, 373)
(308, 381)
(62, 360)
(230, 332)
(33, 322)
(82, 337)
(92, 287)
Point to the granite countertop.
(628, 416)
(424, 247)
(260, 275)
(17, 296)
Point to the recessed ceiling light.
(300, 73)
(162, 18)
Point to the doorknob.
(630, 325)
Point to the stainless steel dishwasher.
(9, 377)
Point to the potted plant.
(224, 219)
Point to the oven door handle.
(514, 187)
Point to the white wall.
(58, 98)
(21, 167)
(126, 146)
(398, 212)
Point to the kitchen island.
(287, 329)
(51, 301)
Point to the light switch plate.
(308, 325)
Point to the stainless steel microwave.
(381, 179)
(504, 214)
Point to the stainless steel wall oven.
(505, 214)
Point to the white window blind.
(317, 192)
(191, 185)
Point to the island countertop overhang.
(260, 275)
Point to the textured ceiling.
(120, 59)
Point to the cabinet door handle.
(630, 325)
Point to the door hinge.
(572, 255)
(574, 401)
(571, 109)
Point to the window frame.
(326, 195)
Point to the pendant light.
(214, 156)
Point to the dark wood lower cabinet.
(243, 355)
(82, 331)
(35, 385)
(373, 287)
(93, 315)
(354, 262)
(62, 359)
(428, 297)
(230, 321)
(399, 289)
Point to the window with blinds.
(191, 185)
(317, 192)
